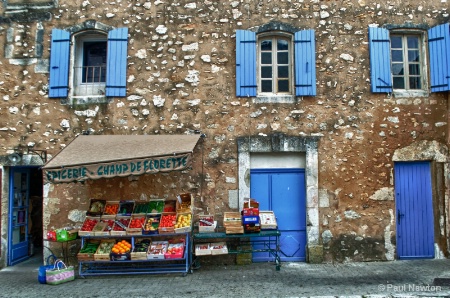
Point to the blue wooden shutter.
(59, 63)
(380, 61)
(439, 51)
(116, 68)
(305, 63)
(245, 63)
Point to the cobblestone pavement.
(375, 279)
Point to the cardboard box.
(63, 235)
(157, 250)
(251, 224)
(250, 220)
(250, 212)
(184, 203)
(267, 220)
(250, 203)
(175, 250)
(202, 249)
(218, 248)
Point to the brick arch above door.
(277, 143)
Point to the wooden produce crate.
(125, 208)
(167, 224)
(267, 220)
(120, 230)
(104, 250)
(202, 249)
(96, 207)
(136, 224)
(232, 219)
(218, 248)
(141, 208)
(170, 206)
(109, 221)
(184, 223)
(88, 225)
(151, 224)
(111, 208)
(234, 230)
(88, 250)
(184, 203)
(99, 229)
(156, 206)
(140, 249)
(206, 224)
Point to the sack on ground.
(57, 275)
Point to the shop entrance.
(283, 192)
(25, 213)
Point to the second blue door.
(283, 192)
(413, 200)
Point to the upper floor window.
(406, 61)
(89, 71)
(275, 65)
(88, 66)
(398, 61)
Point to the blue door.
(283, 192)
(18, 215)
(414, 214)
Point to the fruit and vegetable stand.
(128, 237)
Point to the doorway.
(414, 210)
(25, 213)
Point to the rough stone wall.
(181, 78)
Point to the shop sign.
(118, 169)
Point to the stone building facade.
(182, 76)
